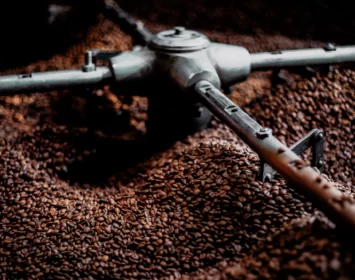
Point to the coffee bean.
(193, 210)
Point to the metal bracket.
(314, 139)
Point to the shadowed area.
(317, 20)
(40, 29)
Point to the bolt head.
(89, 67)
(179, 30)
(263, 133)
(330, 47)
(198, 112)
(140, 24)
(179, 39)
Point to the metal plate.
(179, 40)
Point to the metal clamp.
(314, 139)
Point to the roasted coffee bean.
(325, 102)
(192, 211)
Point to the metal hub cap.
(179, 40)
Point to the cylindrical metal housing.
(302, 57)
(187, 69)
(132, 66)
(232, 63)
(47, 81)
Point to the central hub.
(179, 40)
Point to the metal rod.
(302, 57)
(53, 80)
(134, 28)
(338, 206)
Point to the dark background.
(27, 36)
(313, 19)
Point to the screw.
(320, 163)
(140, 24)
(89, 65)
(179, 30)
(198, 112)
(330, 47)
(263, 132)
(88, 57)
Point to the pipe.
(47, 81)
(302, 57)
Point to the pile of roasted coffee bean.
(192, 211)
(189, 208)
(306, 248)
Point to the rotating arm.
(133, 27)
(234, 63)
(46, 81)
(339, 207)
(302, 57)
(127, 67)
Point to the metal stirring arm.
(333, 202)
(164, 54)
(124, 67)
(330, 54)
(135, 28)
(47, 81)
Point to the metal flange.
(179, 39)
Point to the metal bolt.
(136, 48)
(320, 136)
(139, 25)
(263, 133)
(198, 112)
(320, 163)
(330, 47)
(179, 30)
(89, 65)
(88, 57)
